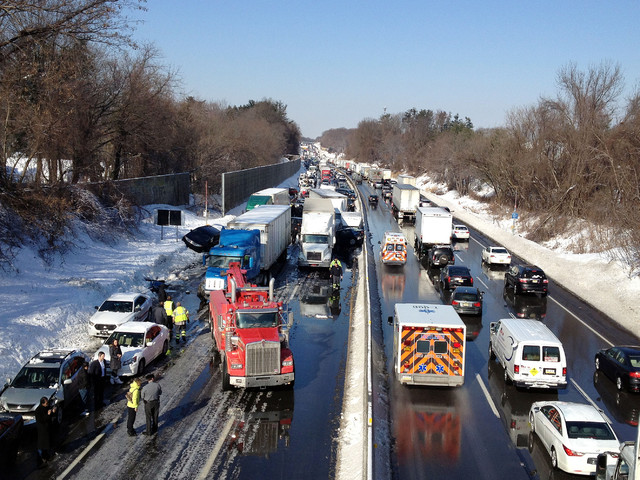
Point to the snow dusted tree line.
(571, 162)
(81, 102)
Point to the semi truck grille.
(263, 358)
(316, 256)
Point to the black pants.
(131, 418)
(151, 411)
(98, 393)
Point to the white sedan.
(496, 256)
(141, 343)
(574, 434)
(460, 232)
(118, 309)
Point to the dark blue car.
(622, 365)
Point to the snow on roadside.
(48, 306)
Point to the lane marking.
(487, 396)
(216, 449)
(580, 320)
(588, 399)
(485, 285)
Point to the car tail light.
(454, 302)
(523, 280)
(516, 369)
(456, 344)
(546, 280)
(634, 374)
(471, 278)
(571, 453)
(477, 304)
(564, 371)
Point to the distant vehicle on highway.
(496, 256)
(467, 300)
(526, 279)
(460, 232)
(373, 200)
(622, 365)
(453, 276)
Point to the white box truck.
(433, 227)
(269, 196)
(274, 223)
(338, 200)
(531, 355)
(404, 202)
(429, 344)
(317, 233)
(405, 179)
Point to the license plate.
(549, 371)
(465, 304)
(534, 281)
(592, 460)
(104, 332)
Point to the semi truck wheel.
(226, 382)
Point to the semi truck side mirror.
(390, 319)
(204, 259)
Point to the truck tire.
(59, 413)
(492, 355)
(507, 380)
(226, 382)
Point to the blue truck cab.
(234, 246)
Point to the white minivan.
(532, 356)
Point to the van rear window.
(531, 353)
(551, 354)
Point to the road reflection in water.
(392, 283)
(264, 425)
(532, 306)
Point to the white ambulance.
(429, 344)
(393, 248)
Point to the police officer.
(335, 268)
(180, 319)
(168, 308)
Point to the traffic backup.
(428, 345)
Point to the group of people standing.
(150, 396)
(171, 315)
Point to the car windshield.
(314, 238)
(126, 339)
(256, 319)
(221, 261)
(118, 306)
(597, 430)
(499, 250)
(533, 274)
(32, 376)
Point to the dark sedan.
(526, 279)
(453, 276)
(622, 365)
(467, 300)
(201, 239)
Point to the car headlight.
(131, 360)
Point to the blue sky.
(334, 63)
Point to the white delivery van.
(532, 356)
(429, 343)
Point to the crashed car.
(201, 239)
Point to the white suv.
(118, 309)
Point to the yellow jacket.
(134, 389)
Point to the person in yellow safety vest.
(180, 319)
(168, 307)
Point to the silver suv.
(52, 374)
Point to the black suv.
(440, 256)
(453, 276)
(526, 278)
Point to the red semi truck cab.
(250, 331)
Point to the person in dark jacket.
(151, 398)
(43, 426)
(162, 294)
(115, 355)
(84, 388)
(160, 315)
(98, 371)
